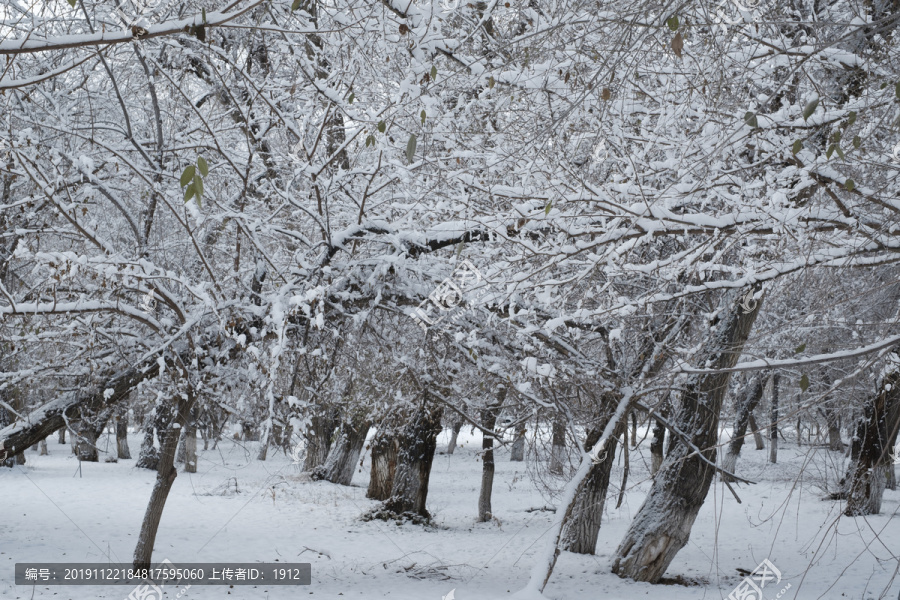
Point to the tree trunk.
(517, 452)
(751, 397)
(657, 444)
(43, 448)
(488, 421)
(89, 429)
(634, 427)
(867, 475)
(341, 461)
(757, 435)
(384, 465)
(318, 438)
(454, 435)
(773, 421)
(417, 441)
(190, 447)
(62, 435)
(122, 450)
(834, 431)
(558, 448)
(165, 477)
(582, 528)
(663, 523)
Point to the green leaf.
(433, 73)
(839, 151)
(423, 115)
(856, 141)
(750, 119)
(897, 90)
(203, 12)
(381, 126)
(187, 175)
(829, 151)
(672, 22)
(851, 118)
(351, 98)
(804, 382)
(296, 4)
(198, 187)
(548, 208)
(491, 82)
(797, 147)
(411, 148)
(201, 164)
(799, 348)
(188, 192)
(850, 185)
(370, 141)
(836, 136)
(810, 109)
(72, 3)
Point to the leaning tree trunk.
(751, 397)
(418, 440)
(517, 452)
(582, 527)
(384, 464)
(454, 436)
(773, 421)
(488, 422)
(757, 435)
(165, 477)
(318, 438)
(867, 475)
(663, 523)
(345, 451)
(558, 447)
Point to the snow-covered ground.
(241, 510)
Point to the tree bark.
(488, 421)
(757, 435)
(190, 447)
(384, 464)
(582, 528)
(750, 398)
(165, 477)
(657, 444)
(43, 448)
(62, 435)
(418, 440)
(773, 421)
(122, 450)
(558, 448)
(867, 475)
(318, 438)
(454, 435)
(834, 430)
(517, 452)
(341, 461)
(663, 523)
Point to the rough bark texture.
(318, 438)
(517, 452)
(663, 523)
(773, 421)
(558, 449)
(62, 435)
(657, 444)
(454, 435)
(867, 475)
(417, 445)
(122, 449)
(345, 451)
(190, 448)
(43, 448)
(488, 421)
(757, 435)
(582, 528)
(834, 430)
(165, 477)
(384, 464)
(750, 398)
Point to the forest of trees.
(312, 221)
